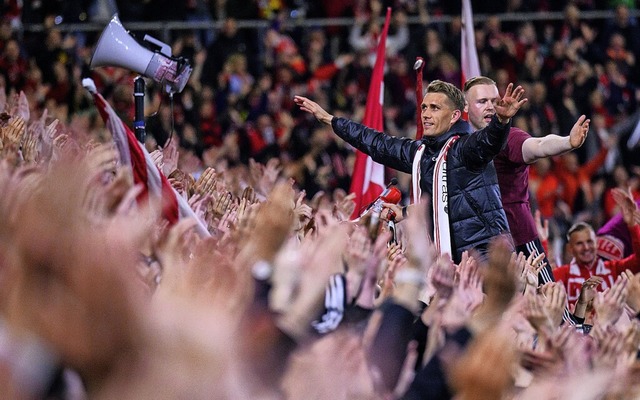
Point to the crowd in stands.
(102, 298)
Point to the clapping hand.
(609, 304)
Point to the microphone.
(390, 194)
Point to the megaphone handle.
(138, 95)
(164, 48)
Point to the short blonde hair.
(453, 93)
(477, 80)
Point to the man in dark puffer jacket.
(474, 204)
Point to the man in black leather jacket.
(471, 192)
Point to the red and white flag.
(469, 53)
(367, 181)
(145, 172)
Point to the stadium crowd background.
(99, 299)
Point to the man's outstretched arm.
(393, 152)
(534, 148)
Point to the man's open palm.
(510, 103)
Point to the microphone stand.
(138, 95)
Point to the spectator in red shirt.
(621, 180)
(575, 177)
(545, 187)
(586, 262)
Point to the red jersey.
(573, 274)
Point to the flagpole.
(418, 66)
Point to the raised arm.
(552, 145)
(385, 149)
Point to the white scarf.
(442, 231)
(415, 175)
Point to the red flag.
(469, 56)
(145, 172)
(367, 181)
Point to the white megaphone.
(117, 48)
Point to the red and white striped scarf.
(441, 229)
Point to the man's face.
(582, 245)
(481, 100)
(438, 114)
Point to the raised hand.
(201, 204)
(345, 206)
(302, 213)
(499, 279)
(313, 108)
(633, 298)
(555, 301)
(470, 281)
(222, 204)
(443, 276)
(578, 133)
(373, 264)
(532, 268)
(52, 130)
(256, 170)
(394, 250)
(172, 251)
(609, 304)
(537, 315)
(182, 182)
(627, 205)
(158, 159)
(227, 222)
(170, 157)
(589, 289)
(320, 259)
(631, 341)
(420, 250)
(387, 282)
(22, 110)
(465, 298)
(542, 226)
(31, 145)
(610, 348)
(14, 132)
(272, 226)
(249, 194)
(206, 183)
(510, 103)
(358, 249)
(269, 176)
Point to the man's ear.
(455, 116)
(466, 106)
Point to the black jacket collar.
(461, 127)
